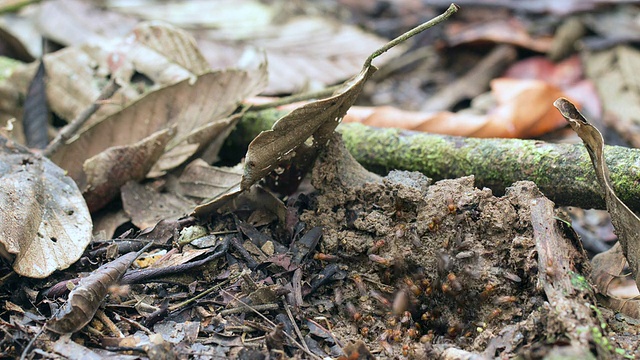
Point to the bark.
(563, 172)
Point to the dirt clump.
(430, 266)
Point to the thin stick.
(273, 325)
(199, 296)
(109, 324)
(293, 322)
(243, 308)
(320, 94)
(138, 325)
(453, 8)
(68, 131)
(27, 348)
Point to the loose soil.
(429, 266)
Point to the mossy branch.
(563, 172)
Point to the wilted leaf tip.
(569, 111)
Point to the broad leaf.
(44, 221)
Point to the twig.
(138, 325)
(199, 296)
(68, 131)
(273, 325)
(109, 324)
(296, 98)
(245, 308)
(27, 348)
(453, 8)
(293, 322)
(474, 82)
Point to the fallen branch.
(563, 172)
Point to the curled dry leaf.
(112, 168)
(44, 221)
(163, 54)
(609, 264)
(197, 111)
(626, 223)
(313, 122)
(85, 299)
(199, 181)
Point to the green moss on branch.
(563, 172)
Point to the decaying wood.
(560, 272)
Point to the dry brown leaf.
(607, 266)
(245, 16)
(190, 108)
(198, 182)
(567, 75)
(75, 22)
(626, 223)
(615, 73)
(207, 139)
(509, 31)
(203, 181)
(109, 170)
(523, 108)
(85, 299)
(159, 53)
(106, 223)
(43, 218)
(302, 51)
(316, 120)
(146, 206)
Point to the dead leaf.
(146, 206)
(191, 108)
(567, 75)
(72, 350)
(35, 120)
(626, 223)
(159, 54)
(615, 73)
(106, 222)
(112, 168)
(509, 31)
(203, 181)
(225, 29)
(43, 218)
(85, 299)
(607, 266)
(75, 22)
(314, 121)
(521, 112)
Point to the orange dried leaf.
(524, 110)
